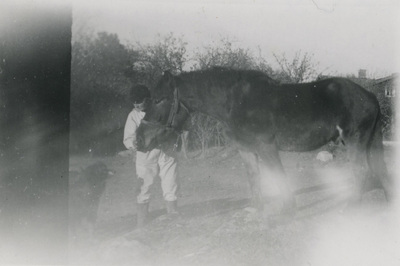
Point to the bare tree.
(224, 54)
(261, 64)
(300, 69)
(168, 53)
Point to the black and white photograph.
(199, 132)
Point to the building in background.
(386, 90)
(388, 85)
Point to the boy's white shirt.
(131, 125)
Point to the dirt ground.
(217, 226)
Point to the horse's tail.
(375, 155)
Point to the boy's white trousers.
(155, 163)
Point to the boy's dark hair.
(138, 93)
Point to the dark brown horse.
(263, 117)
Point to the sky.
(342, 36)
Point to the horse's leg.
(377, 164)
(357, 155)
(272, 174)
(251, 162)
(184, 139)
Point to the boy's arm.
(130, 132)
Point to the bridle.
(174, 109)
(172, 116)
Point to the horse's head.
(165, 87)
(165, 116)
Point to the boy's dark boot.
(142, 214)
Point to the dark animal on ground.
(263, 117)
(85, 191)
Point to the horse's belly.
(303, 140)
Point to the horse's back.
(305, 116)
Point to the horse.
(263, 117)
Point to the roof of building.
(386, 79)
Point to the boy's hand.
(133, 152)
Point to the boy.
(149, 164)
